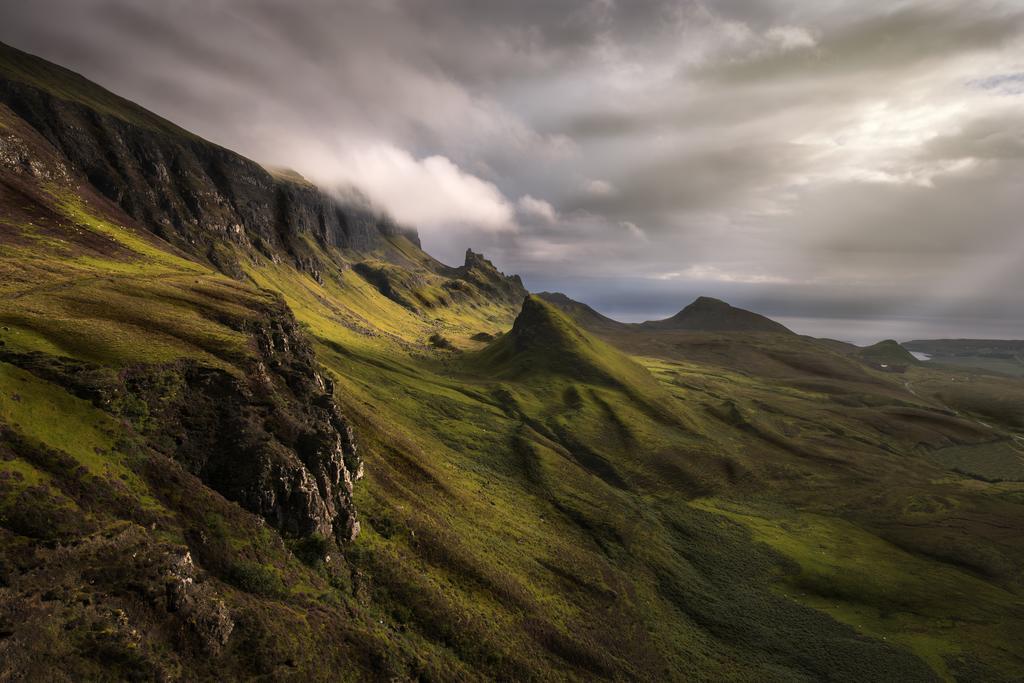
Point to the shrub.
(253, 577)
(311, 549)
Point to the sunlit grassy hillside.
(540, 501)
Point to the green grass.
(1003, 366)
(550, 505)
(888, 352)
(996, 461)
(17, 475)
(48, 415)
(508, 447)
(998, 401)
(132, 302)
(882, 590)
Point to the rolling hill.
(887, 354)
(711, 315)
(249, 430)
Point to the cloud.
(534, 208)
(633, 229)
(861, 152)
(996, 136)
(600, 188)
(790, 37)
(1004, 84)
(710, 273)
(432, 193)
(914, 35)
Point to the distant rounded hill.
(887, 353)
(713, 315)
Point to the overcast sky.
(816, 159)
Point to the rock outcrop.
(273, 440)
(484, 277)
(205, 615)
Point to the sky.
(837, 163)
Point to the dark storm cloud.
(813, 158)
(694, 181)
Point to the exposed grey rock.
(481, 274)
(195, 194)
(206, 615)
(274, 441)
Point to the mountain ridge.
(704, 314)
(887, 353)
(178, 461)
(581, 312)
(195, 194)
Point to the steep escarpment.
(196, 195)
(242, 404)
(477, 282)
(175, 471)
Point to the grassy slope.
(80, 281)
(714, 506)
(587, 456)
(1012, 367)
(863, 428)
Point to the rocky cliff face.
(272, 440)
(476, 282)
(267, 433)
(481, 273)
(196, 195)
